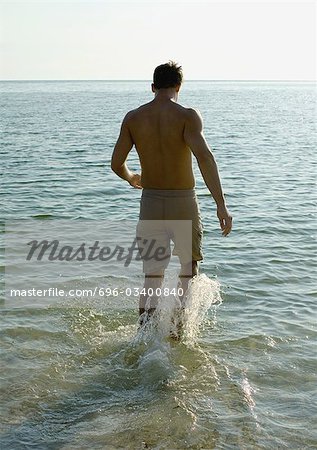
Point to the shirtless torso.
(157, 131)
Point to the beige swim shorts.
(170, 215)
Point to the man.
(165, 134)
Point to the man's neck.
(166, 94)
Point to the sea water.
(79, 374)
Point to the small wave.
(43, 216)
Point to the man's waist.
(168, 193)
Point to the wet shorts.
(165, 216)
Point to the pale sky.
(100, 40)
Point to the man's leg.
(188, 271)
(148, 298)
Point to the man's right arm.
(194, 138)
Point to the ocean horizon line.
(150, 81)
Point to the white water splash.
(151, 350)
(171, 314)
(202, 293)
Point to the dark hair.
(167, 75)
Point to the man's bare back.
(157, 131)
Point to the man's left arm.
(120, 153)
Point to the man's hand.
(225, 220)
(135, 181)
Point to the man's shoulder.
(193, 116)
(134, 113)
(187, 113)
(193, 112)
(129, 115)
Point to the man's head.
(168, 75)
